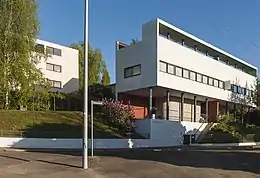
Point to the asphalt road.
(184, 163)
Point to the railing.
(201, 52)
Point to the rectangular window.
(210, 81)
(199, 78)
(178, 71)
(215, 83)
(163, 66)
(239, 90)
(221, 84)
(39, 48)
(49, 66)
(57, 68)
(186, 73)
(204, 79)
(192, 75)
(132, 71)
(170, 69)
(56, 52)
(49, 50)
(53, 51)
(235, 88)
(53, 67)
(56, 84)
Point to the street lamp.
(85, 136)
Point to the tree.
(256, 92)
(105, 77)
(96, 65)
(19, 27)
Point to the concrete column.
(213, 110)
(235, 112)
(181, 111)
(150, 100)
(195, 108)
(207, 109)
(167, 105)
(226, 108)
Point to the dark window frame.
(53, 67)
(131, 68)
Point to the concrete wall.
(143, 52)
(179, 55)
(169, 130)
(33, 143)
(69, 63)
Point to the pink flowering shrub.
(119, 115)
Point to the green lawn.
(51, 125)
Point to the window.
(199, 78)
(55, 84)
(56, 52)
(221, 84)
(39, 48)
(186, 73)
(239, 90)
(235, 88)
(163, 66)
(132, 71)
(179, 71)
(204, 79)
(57, 68)
(49, 66)
(170, 69)
(53, 67)
(49, 50)
(192, 75)
(53, 51)
(215, 83)
(210, 81)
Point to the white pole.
(92, 128)
(85, 137)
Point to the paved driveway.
(167, 163)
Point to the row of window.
(55, 84)
(241, 90)
(50, 50)
(53, 67)
(188, 74)
(227, 62)
(132, 71)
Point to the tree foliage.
(119, 115)
(105, 77)
(96, 65)
(19, 27)
(256, 92)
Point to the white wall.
(170, 130)
(143, 52)
(69, 62)
(33, 143)
(179, 55)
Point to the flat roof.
(178, 30)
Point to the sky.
(231, 25)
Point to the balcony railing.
(205, 54)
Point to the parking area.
(152, 163)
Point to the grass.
(52, 125)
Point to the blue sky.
(232, 25)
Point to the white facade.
(155, 48)
(60, 67)
(169, 59)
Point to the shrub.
(119, 115)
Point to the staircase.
(204, 132)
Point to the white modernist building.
(173, 71)
(60, 67)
